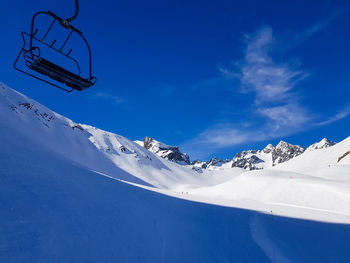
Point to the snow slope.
(54, 210)
(324, 143)
(93, 148)
(322, 162)
(74, 193)
(310, 186)
(313, 185)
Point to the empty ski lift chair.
(34, 60)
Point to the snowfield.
(74, 193)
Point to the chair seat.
(60, 74)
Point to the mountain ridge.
(247, 159)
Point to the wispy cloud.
(261, 75)
(276, 109)
(279, 121)
(107, 97)
(286, 119)
(319, 25)
(343, 113)
(223, 135)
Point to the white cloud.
(107, 97)
(218, 137)
(269, 80)
(280, 121)
(222, 136)
(285, 119)
(271, 83)
(343, 113)
(319, 26)
(276, 109)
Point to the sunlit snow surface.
(73, 193)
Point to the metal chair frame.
(33, 53)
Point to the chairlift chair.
(34, 60)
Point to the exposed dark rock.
(247, 160)
(285, 151)
(26, 105)
(168, 152)
(269, 148)
(76, 126)
(122, 148)
(343, 156)
(199, 164)
(324, 143)
(216, 162)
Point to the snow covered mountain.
(268, 157)
(324, 143)
(272, 156)
(171, 153)
(73, 192)
(96, 149)
(248, 160)
(251, 159)
(285, 151)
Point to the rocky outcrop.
(269, 148)
(216, 162)
(248, 160)
(199, 164)
(324, 143)
(171, 153)
(285, 151)
(269, 156)
(343, 156)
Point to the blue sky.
(214, 77)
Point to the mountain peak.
(324, 143)
(216, 162)
(283, 144)
(285, 151)
(165, 151)
(269, 148)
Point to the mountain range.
(248, 160)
